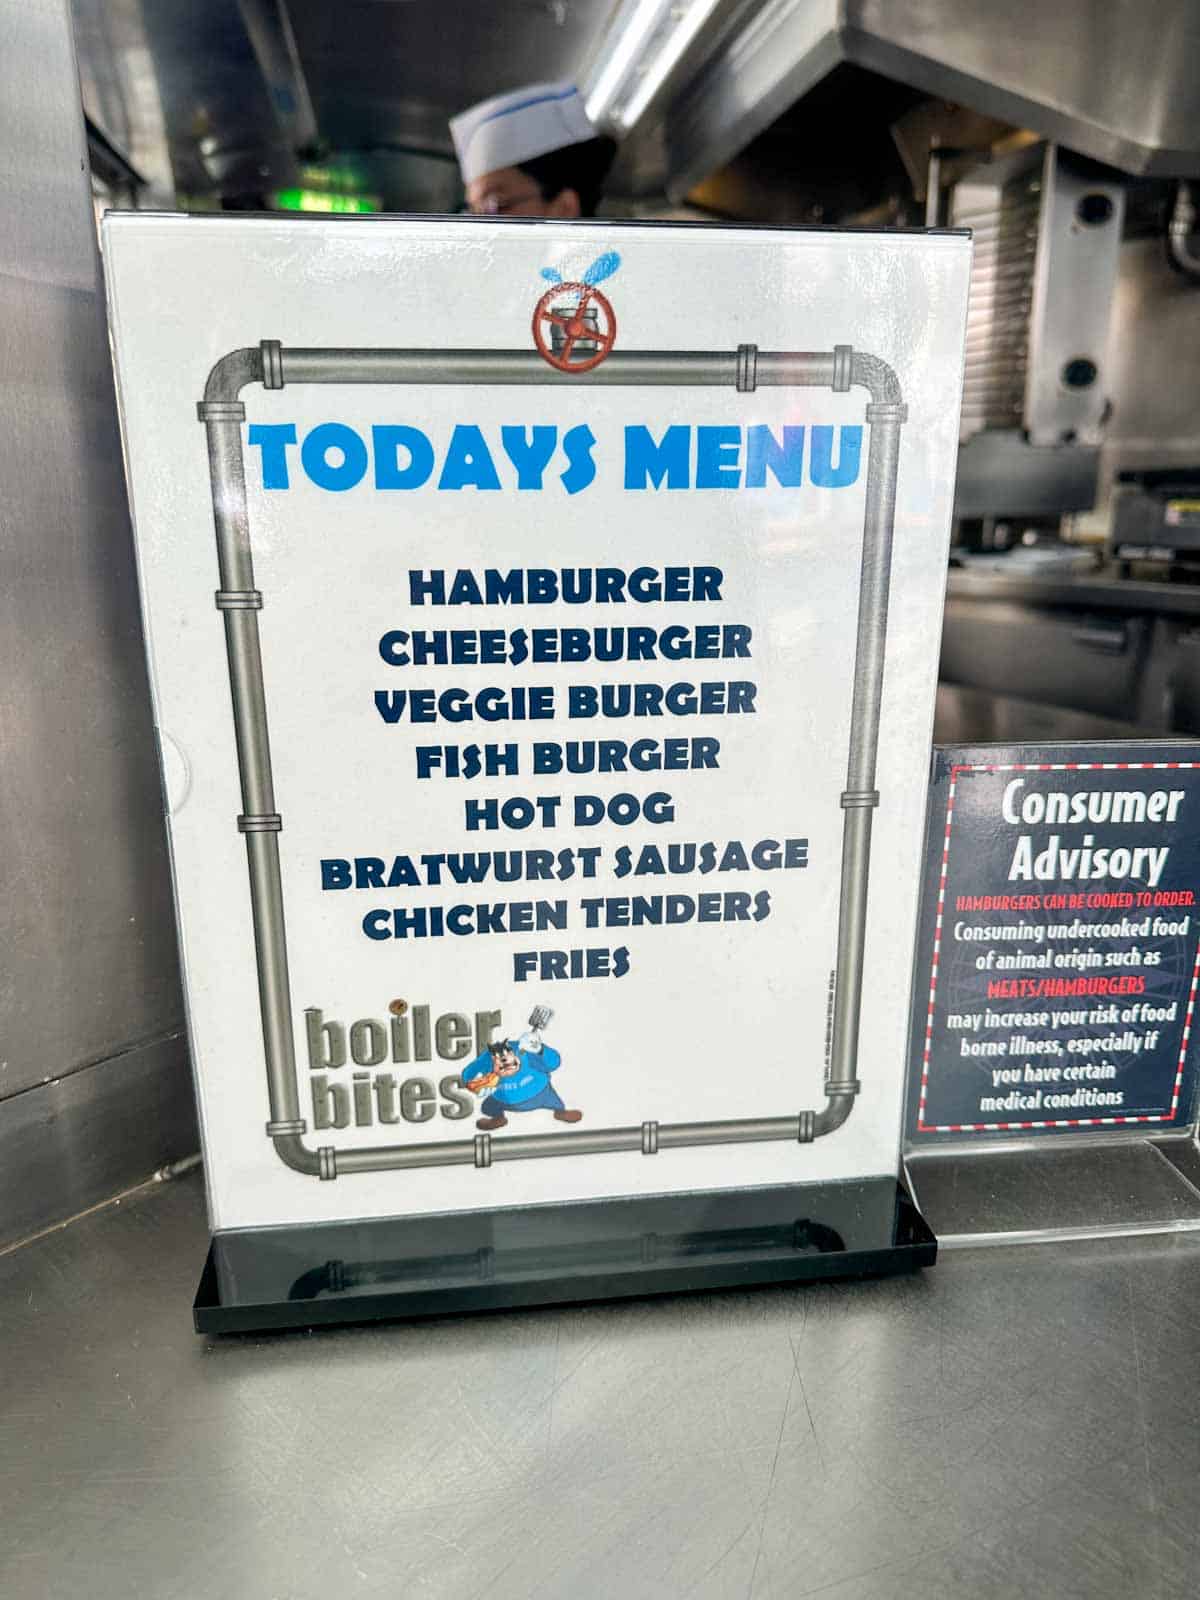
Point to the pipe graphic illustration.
(223, 412)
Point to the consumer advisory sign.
(544, 676)
(1059, 956)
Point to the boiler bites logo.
(509, 1073)
(574, 325)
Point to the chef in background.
(532, 153)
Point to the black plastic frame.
(299, 1277)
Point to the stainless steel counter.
(978, 716)
(1017, 1422)
(1082, 641)
(1084, 587)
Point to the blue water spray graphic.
(603, 267)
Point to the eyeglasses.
(492, 205)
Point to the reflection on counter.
(977, 716)
(1074, 640)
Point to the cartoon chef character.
(514, 1074)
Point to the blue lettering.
(334, 436)
(464, 591)
(388, 440)
(821, 471)
(273, 440)
(529, 456)
(581, 469)
(765, 454)
(646, 461)
(336, 457)
(468, 461)
(717, 451)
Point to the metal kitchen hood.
(1115, 82)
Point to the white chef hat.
(516, 127)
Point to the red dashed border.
(1063, 1122)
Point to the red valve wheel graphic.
(575, 331)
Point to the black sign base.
(333, 1272)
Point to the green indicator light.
(316, 200)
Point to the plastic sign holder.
(318, 1221)
(871, 1228)
(1053, 1068)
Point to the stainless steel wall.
(1152, 373)
(1153, 363)
(94, 1084)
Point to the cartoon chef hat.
(516, 127)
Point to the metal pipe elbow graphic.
(294, 1153)
(232, 373)
(876, 377)
(836, 1111)
(239, 602)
